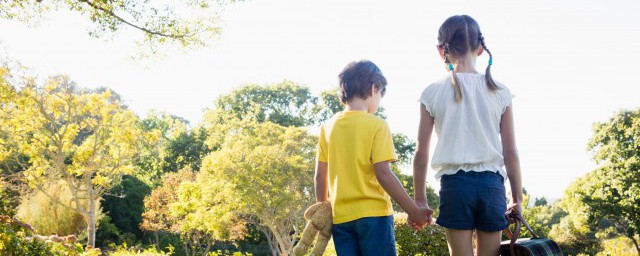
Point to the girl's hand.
(516, 208)
(425, 218)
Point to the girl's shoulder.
(438, 85)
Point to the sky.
(568, 63)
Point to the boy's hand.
(424, 218)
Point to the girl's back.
(469, 130)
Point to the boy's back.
(352, 168)
(350, 143)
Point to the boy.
(353, 156)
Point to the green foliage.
(286, 104)
(157, 217)
(405, 148)
(123, 250)
(429, 241)
(228, 253)
(17, 241)
(186, 150)
(125, 211)
(407, 182)
(9, 200)
(619, 246)
(573, 233)
(81, 138)
(269, 170)
(159, 132)
(206, 213)
(328, 106)
(612, 192)
(542, 218)
(107, 233)
(262, 159)
(540, 201)
(183, 23)
(49, 217)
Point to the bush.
(15, 240)
(124, 251)
(620, 246)
(228, 253)
(49, 217)
(429, 241)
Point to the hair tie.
(490, 61)
(450, 66)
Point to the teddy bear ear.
(311, 210)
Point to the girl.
(474, 122)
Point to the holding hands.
(422, 218)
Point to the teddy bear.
(319, 221)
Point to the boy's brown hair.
(357, 78)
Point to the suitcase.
(535, 246)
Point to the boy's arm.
(421, 159)
(394, 188)
(511, 159)
(321, 182)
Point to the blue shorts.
(473, 200)
(365, 236)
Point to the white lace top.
(468, 131)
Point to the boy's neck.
(356, 104)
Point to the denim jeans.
(368, 236)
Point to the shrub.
(620, 246)
(15, 240)
(429, 241)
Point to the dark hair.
(459, 35)
(357, 78)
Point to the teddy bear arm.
(308, 235)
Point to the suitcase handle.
(516, 232)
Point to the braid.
(490, 83)
(454, 78)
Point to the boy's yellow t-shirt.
(350, 143)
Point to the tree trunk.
(269, 237)
(635, 242)
(91, 238)
(155, 235)
(284, 250)
(186, 248)
(206, 251)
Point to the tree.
(206, 213)
(159, 131)
(12, 162)
(81, 138)
(286, 103)
(186, 150)
(185, 23)
(612, 191)
(540, 201)
(328, 106)
(269, 171)
(125, 212)
(157, 217)
(573, 232)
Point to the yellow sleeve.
(321, 149)
(382, 149)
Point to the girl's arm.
(421, 160)
(511, 159)
(394, 188)
(321, 182)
